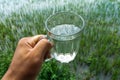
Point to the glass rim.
(83, 23)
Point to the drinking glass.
(63, 30)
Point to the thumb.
(42, 47)
(33, 40)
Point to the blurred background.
(99, 53)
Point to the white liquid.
(64, 58)
(65, 50)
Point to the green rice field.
(99, 54)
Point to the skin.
(28, 58)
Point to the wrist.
(16, 75)
(9, 75)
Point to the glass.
(64, 30)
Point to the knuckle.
(22, 41)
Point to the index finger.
(42, 47)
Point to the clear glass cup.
(64, 30)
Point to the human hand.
(28, 58)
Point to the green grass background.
(99, 53)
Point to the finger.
(47, 55)
(42, 47)
(33, 40)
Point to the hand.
(28, 58)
